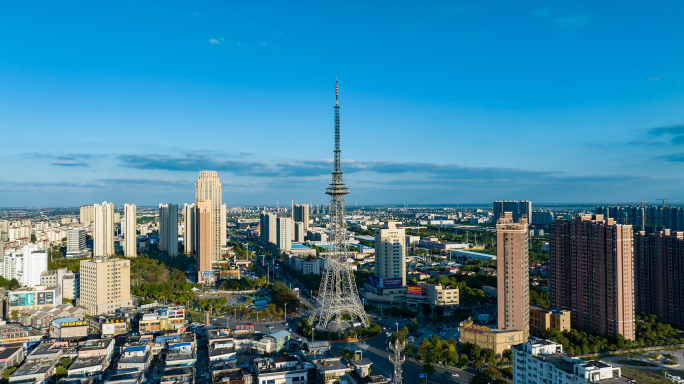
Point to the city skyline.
(543, 102)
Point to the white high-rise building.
(76, 240)
(25, 266)
(130, 230)
(390, 252)
(168, 229)
(284, 235)
(103, 229)
(190, 226)
(299, 232)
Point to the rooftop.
(34, 368)
(135, 359)
(227, 375)
(81, 363)
(333, 364)
(174, 356)
(131, 376)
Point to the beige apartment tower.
(205, 273)
(103, 229)
(513, 274)
(87, 214)
(168, 229)
(130, 225)
(105, 285)
(208, 188)
(390, 252)
(190, 227)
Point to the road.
(374, 349)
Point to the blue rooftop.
(298, 246)
(63, 320)
(135, 349)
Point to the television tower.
(337, 295)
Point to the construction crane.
(665, 199)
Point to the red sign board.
(414, 290)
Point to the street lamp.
(285, 313)
(397, 327)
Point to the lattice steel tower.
(338, 295)
(397, 360)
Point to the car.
(454, 374)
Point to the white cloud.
(217, 40)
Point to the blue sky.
(441, 102)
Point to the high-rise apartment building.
(390, 252)
(130, 230)
(516, 208)
(223, 241)
(268, 224)
(105, 285)
(299, 232)
(168, 229)
(208, 188)
(190, 226)
(591, 274)
(513, 273)
(205, 273)
(659, 275)
(284, 234)
(650, 219)
(301, 215)
(87, 214)
(25, 266)
(103, 229)
(76, 240)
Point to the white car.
(454, 374)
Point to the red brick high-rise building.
(659, 272)
(592, 274)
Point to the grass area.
(635, 363)
(642, 375)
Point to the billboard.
(414, 290)
(41, 298)
(374, 281)
(391, 283)
(49, 297)
(20, 299)
(207, 272)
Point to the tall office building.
(301, 215)
(105, 285)
(268, 225)
(208, 188)
(103, 229)
(76, 240)
(168, 229)
(87, 214)
(284, 235)
(190, 226)
(204, 242)
(591, 274)
(516, 208)
(130, 231)
(513, 277)
(390, 252)
(659, 275)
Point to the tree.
(61, 371)
(9, 372)
(429, 369)
(463, 360)
(15, 315)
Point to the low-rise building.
(68, 328)
(11, 356)
(134, 359)
(280, 370)
(485, 337)
(434, 295)
(330, 370)
(35, 372)
(38, 297)
(95, 366)
(542, 319)
(461, 253)
(543, 361)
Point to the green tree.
(8, 372)
(15, 315)
(429, 370)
